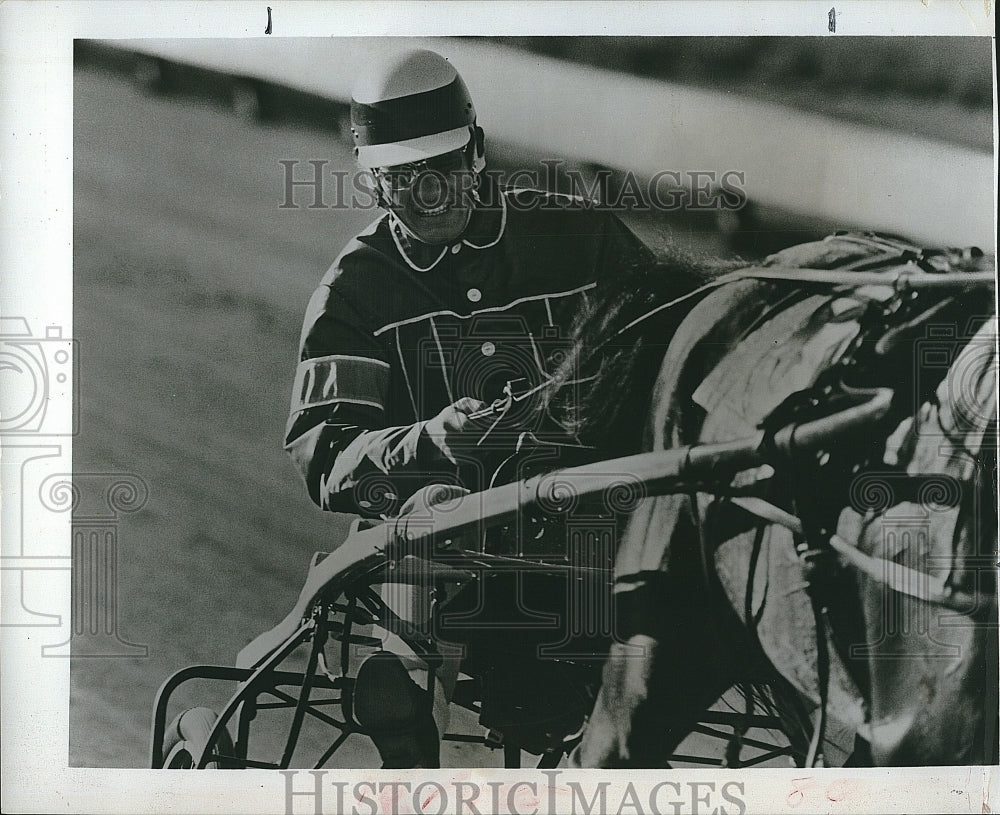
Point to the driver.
(458, 290)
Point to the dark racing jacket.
(395, 332)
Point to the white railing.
(804, 163)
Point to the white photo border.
(36, 228)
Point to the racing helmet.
(413, 107)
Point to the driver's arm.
(338, 434)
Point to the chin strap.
(503, 221)
(398, 231)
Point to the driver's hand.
(447, 429)
(422, 500)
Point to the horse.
(851, 588)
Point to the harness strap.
(903, 579)
(823, 669)
(899, 578)
(910, 276)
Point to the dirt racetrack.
(189, 288)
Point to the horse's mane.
(618, 367)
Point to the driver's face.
(433, 199)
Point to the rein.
(499, 408)
(910, 277)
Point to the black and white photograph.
(464, 422)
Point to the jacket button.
(488, 349)
(474, 295)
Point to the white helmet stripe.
(411, 150)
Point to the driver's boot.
(396, 713)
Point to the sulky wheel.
(187, 736)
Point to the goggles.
(402, 177)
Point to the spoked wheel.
(752, 724)
(318, 692)
(187, 738)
